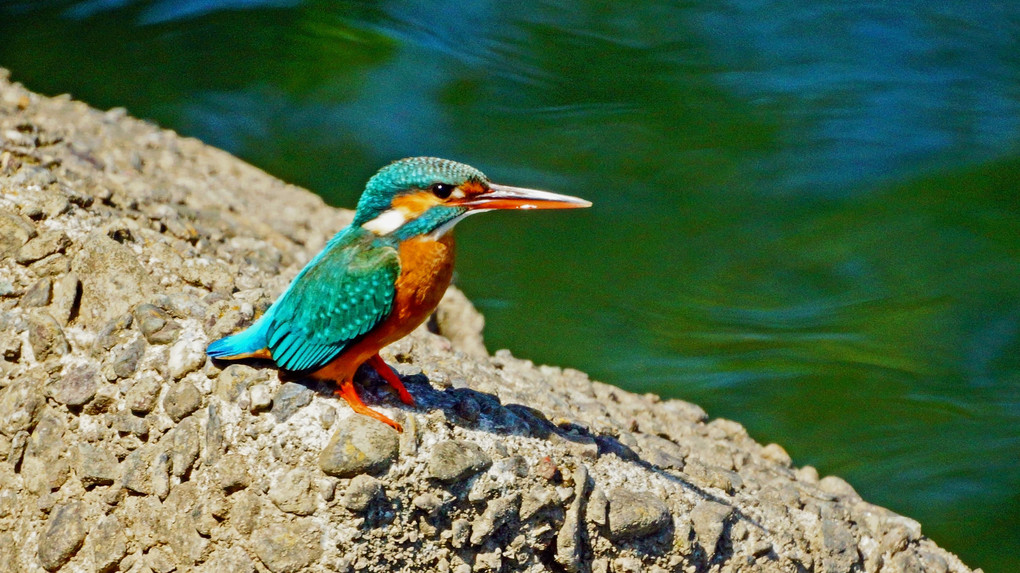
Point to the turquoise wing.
(341, 295)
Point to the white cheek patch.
(386, 223)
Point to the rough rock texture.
(126, 249)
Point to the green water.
(806, 217)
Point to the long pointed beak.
(505, 197)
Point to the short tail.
(249, 343)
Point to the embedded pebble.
(141, 397)
(457, 460)
(260, 397)
(361, 492)
(293, 492)
(708, 519)
(290, 398)
(46, 337)
(360, 445)
(288, 547)
(635, 514)
(43, 245)
(498, 512)
(569, 540)
(76, 387)
(20, 404)
(38, 294)
(128, 357)
(155, 324)
(112, 279)
(96, 466)
(182, 400)
(63, 536)
(108, 543)
(186, 356)
(185, 445)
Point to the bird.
(379, 278)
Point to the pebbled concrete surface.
(126, 248)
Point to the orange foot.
(384, 370)
(350, 395)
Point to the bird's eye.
(442, 190)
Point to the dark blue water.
(806, 213)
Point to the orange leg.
(350, 395)
(384, 370)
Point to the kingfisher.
(378, 278)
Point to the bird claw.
(350, 395)
(391, 377)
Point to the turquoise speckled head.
(411, 175)
(427, 196)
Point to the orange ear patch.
(414, 204)
(472, 188)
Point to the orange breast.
(426, 268)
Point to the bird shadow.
(482, 411)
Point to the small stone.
(38, 294)
(184, 450)
(260, 397)
(290, 398)
(155, 324)
(361, 492)
(182, 400)
(113, 280)
(215, 440)
(20, 404)
(46, 336)
(160, 474)
(96, 466)
(547, 470)
(77, 387)
(232, 472)
(44, 245)
(106, 396)
(840, 546)
(498, 512)
(428, 502)
(136, 475)
(838, 486)
(142, 395)
(460, 533)
(128, 357)
(15, 231)
(360, 445)
(186, 355)
(598, 507)
(292, 492)
(66, 292)
(109, 544)
(569, 539)
(10, 349)
(708, 519)
(159, 560)
(64, 534)
(113, 333)
(233, 380)
(245, 512)
(457, 461)
(538, 500)
(288, 547)
(635, 514)
(776, 454)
